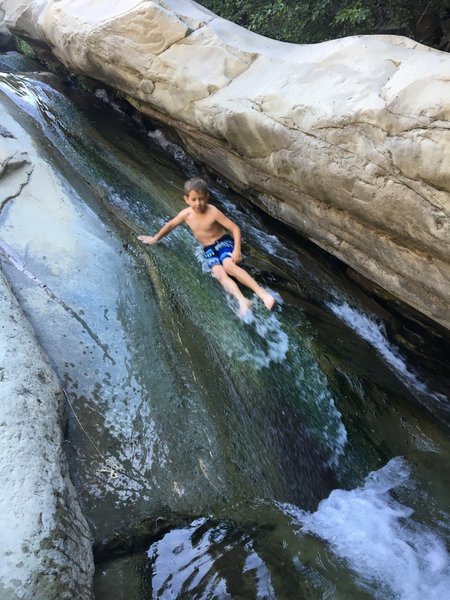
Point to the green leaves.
(353, 15)
(309, 21)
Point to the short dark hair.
(196, 184)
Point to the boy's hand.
(147, 239)
(236, 257)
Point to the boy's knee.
(229, 266)
(219, 273)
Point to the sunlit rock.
(347, 140)
(45, 542)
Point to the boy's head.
(196, 193)
(196, 184)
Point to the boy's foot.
(244, 307)
(268, 299)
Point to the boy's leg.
(241, 275)
(231, 287)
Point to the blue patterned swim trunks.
(216, 253)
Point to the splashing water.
(273, 341)
(273, 353)
(392, 555)
(269, 345)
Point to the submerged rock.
(124, 579)
(346, 140)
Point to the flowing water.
(301, 454)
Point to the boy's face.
(197, 200)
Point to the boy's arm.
(165, 229)
(234, 230)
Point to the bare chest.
(205, 228)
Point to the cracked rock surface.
(347, 141)
(15, 171)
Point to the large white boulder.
(347, 140)
(45, 541)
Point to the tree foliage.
(309, 21)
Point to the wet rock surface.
(124, 579)
(94, 308)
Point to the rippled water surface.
(303, 454)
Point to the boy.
(222, 252)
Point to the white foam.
(374, 333)
(102, 95)
(269, 329)
(391, 554)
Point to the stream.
(302, 454)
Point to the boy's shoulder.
(212, 210)
(184, 213)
